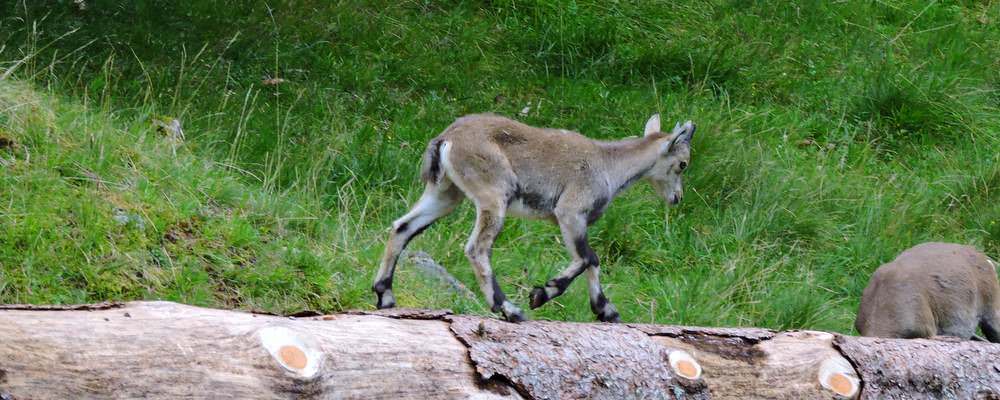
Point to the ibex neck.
(629, 160)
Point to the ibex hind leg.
(489, 223)
(438, 200)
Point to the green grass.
(832, 135)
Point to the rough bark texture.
(552, 360)
(165, 350)
(924, 369)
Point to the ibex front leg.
(574, 232)
(489, 222)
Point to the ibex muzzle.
(932, 289)
(509, 168)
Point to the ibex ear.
(653, 125)
(669, 144)
(684, 132)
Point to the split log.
(167, 350)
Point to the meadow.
(832, 135)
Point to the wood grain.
(161, 350)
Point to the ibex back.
(506, 167)
(932, 289)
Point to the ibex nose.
(674, 199)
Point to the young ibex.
(932, 289)
(505, 166)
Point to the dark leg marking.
(535, 201)
(584, 250)
(538, 297)
(596, 210)
(991, 329)
(383, 285)
(499, 300)
(563, 282)
(600, 308)
(418, 232)
(597, 305)
(498, 296)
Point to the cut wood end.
(293, 357)
(837, 375)
(684, 364)
(290, 350)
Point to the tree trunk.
(167, 350)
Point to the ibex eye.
(683, 165)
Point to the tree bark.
(164, 350)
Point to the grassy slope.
(831, 137)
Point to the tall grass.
(832, 136)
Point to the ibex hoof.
(612, 317)
(538, 297)
(385, 300)
(512, 313)
(515, 318)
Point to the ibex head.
(675, 155)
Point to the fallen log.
(163, 350)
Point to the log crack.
(730, 343)
(494, 380)
(861, 379)
(405, 313)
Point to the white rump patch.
(446, 158)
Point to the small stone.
(272, 81)
(121, 217)
(127, 315)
